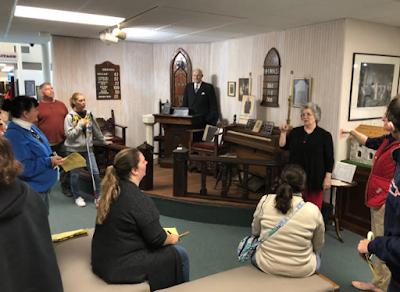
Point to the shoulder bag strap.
(275, 229)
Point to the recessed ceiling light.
(66, 16)
(7, 69)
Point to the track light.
(108, 38)
(119, 33)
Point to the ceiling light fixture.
(108, 38)
(7, 69)
(119, 33)
(66, 16)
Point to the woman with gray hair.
(311, 147)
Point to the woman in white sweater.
(294, 249)
(80, 127)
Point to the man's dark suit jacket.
(203, 102)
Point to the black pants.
(65, 177)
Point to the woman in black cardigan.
(129, 245)
(311, 147)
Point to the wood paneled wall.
(312, 51)
(74, 61)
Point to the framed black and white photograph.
(231, 88)
(30, 88)
(247, 109)
(301, 91)
(374, 82)
(243, 87)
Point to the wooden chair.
(206, 148)
(160, 137)
(108, 129)
(105, 154)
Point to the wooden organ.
(248, 144)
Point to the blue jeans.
(185, 262)
(317, 254)
(393, 287)
(75, 174)
(45, 196)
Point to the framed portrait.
(301, 91)
(247, 110)
(231, 88)
(374, 81)
(243, 87)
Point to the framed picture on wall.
(39, 96)
(243, 87)
(301, 91)
(231, 88)
(30, 88)
(374, 81)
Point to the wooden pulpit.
(175, 128)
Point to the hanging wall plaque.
(108, 85)
(272, 71)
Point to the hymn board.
(272, 71)
(108, 85)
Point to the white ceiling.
(189, 21)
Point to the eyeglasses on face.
(306, 115)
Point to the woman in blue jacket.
(30, 146)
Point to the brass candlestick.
(290, 99)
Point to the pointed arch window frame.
(172, 72)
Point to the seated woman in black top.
(129, 245)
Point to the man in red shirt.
(51, 122)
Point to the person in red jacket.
(375, 194)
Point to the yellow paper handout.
(72, 161)
(69, 234)
(171, 230)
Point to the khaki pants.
(382, 277)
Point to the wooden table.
(338, 186)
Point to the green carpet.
(212, 247)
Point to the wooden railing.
(180, 177)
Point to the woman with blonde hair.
(129, 245)
(80, 126)
(28, 261)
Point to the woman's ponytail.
(293, 179)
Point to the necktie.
(196, 88)
(36, 135)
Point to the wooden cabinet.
(354, 215)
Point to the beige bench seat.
(249, 278)
(74, 261)
(74, 258)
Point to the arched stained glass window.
(181, 74)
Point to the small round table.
(338, 185)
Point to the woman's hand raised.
(283, 128)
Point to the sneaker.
(80, 202)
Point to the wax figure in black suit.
(202, 102)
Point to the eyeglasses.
(306, 115)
